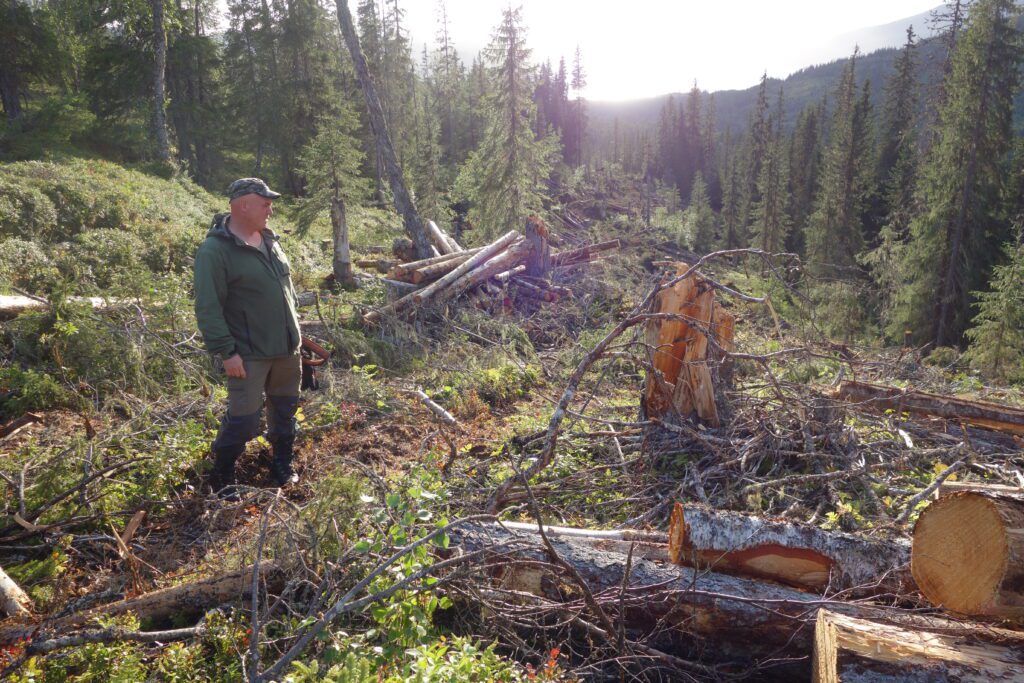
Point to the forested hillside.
(732, 343)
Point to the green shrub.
(25, 211)
(502, 385)
(26, 265)
(24, 390)
(942, 357)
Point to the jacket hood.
(219, 228)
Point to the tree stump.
(681, 385)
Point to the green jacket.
(245, 303)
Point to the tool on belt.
(313, 356)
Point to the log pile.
(512, 268)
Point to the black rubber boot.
(281, 467)
(222, 476)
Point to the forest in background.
(854, 229)
(899, 188)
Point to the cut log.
(515, 254)
(738, 620)
(380, 265)
(373, 317)
(406, 268)
(949, 487)
(797, 555)
(571, 256)
(681, 385)
(435, 408)
(649, 545)
(159, 604)
(977, 413)
(436, 270)
(17, 424)
(467, 266)
(13, 305)
(535, 292)
(14, 600)
(439, 239)
(848, 649)
(968, 554)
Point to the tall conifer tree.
(953, 238)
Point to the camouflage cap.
(244, 186)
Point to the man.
(246, 312)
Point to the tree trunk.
(848, 649)
(342, 263)
(200, 595)
(403, 200)
(14, 601)
(801, 556)
(475, 260)
(163, 150)
(10, 95)
(978, 413)
(404, 269)
(439, 239)
(736, 620)
(536, 233)
(681, 386)
(968, 554)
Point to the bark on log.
(649, 545)
(436, 409)
(848, 649)
(436, 270)
(949, 487)
(402, 199)
(380, 265)
(968, 554)
(158, 604)
(978, 413)
(17, 424)
(406, 268)
(801, 556)
(14, 600)
(738, 620)
(583, 253)
(515, 254)
(13, 305)
(465, 267)
(439, 239)
(681, 386)
(416, 297)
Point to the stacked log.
(968, 553)
(797, 555)
(680, 387)
(484, 272)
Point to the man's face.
(257, 209)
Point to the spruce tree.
(771, 218)
(699, 220)
(330, 163)
(506, 175)
(805, 152)
(953, 238)
(834, 234)
(997, 338)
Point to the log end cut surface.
(960, 552)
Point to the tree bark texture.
(977, 413)
(848, 649)
(163, 150)
(403, 200)
(797, 555)
(342, 262)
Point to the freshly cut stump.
(968, 554)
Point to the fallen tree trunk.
(949, 487)
(802, 556)
(407, 268)
(848, 649)
(643, 544)
(515, 254)
(382, 266)
(15, 601)
(439, 239)
(13, 305)
(737, 620)
(403, 201)
(199, 596)
(416, 297)
(563, 258)
(436, 270)
(977, 413)
(968, 554)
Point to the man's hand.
(234, 366)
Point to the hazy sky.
(642, 48)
